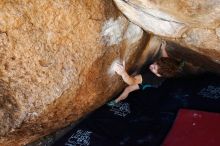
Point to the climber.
(164, 67)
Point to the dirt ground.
(50, 139)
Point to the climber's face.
(154, 69)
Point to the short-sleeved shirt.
(149, 79)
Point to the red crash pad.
(194, 128)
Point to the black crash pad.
(145, 117)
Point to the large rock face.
(55, 62)
(191, 23)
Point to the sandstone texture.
(193, 24)
(55, 62)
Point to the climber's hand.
(120, 68)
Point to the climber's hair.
(169, 67)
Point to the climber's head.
(166, 67)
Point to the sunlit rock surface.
(194, 24)
(55, 62)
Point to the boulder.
(192, 24)
(56, 63)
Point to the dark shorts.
(150, 80)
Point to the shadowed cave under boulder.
(146, 117)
